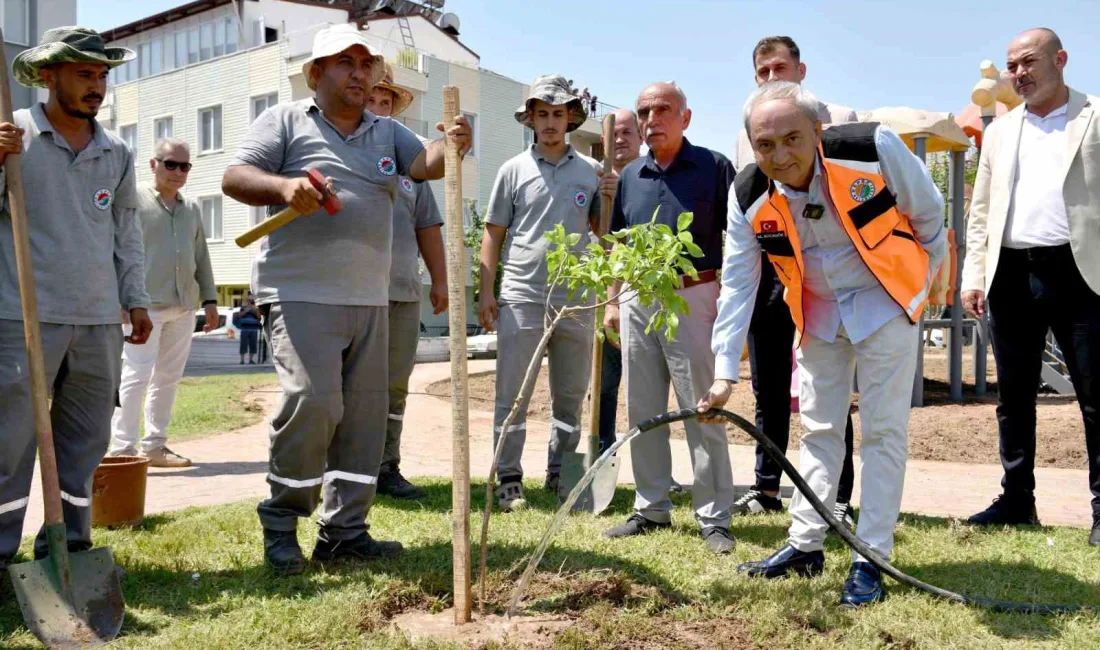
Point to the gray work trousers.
(82, 369)
(404, 335)
(327, 433)
(651, 362)
(520, 327)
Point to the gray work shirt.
(85, 236)
(530, 196)
(339, 259)
(414, 209)
(177, 262)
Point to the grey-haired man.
(86, 251)
(546, 185)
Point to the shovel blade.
(599, 493)
(91, 615)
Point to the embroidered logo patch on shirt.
(769, 226)
(406, 184)
(387, 166)
(102, 198)
(862, 190)
(581, 199)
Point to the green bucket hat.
(66, 45)
(554, 90)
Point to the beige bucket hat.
(66, 45)
(401, 97)
(554, 90)
(334, 40)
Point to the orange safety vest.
(866, 209)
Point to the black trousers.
(611, 377)
(1035, 290)
(771, 334)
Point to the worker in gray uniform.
(86, 251)
(417, 228)
(322, 282)
(547, 185)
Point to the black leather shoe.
(1094, 538)
(1008, 511)
(863, 586)
(361, 547)
(392, 483)
(282, 553)
(635, 525)
(551, 483)
(784, 561)
(718, 539)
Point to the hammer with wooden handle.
(329, 201)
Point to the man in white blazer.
(1033, 247)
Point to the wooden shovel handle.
(267, 226)
(596, 379)
(47, 457)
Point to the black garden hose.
(849, 538)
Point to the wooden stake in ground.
(460, 403)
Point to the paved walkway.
(232, 466)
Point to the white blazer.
(997, 175)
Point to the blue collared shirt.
(838, 286)
(698, 181)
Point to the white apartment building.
(23, 22)
(207, 68)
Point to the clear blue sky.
(860, 54)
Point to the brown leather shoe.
(165, 457)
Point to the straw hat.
(334, 40)
(401, 97)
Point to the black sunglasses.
(171, 165)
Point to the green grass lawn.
(215, 404)
(195, 579)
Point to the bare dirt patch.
(942, 430)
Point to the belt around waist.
(710, 275)
(1038, 253)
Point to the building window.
(262, 103)
(219, 38)
(206, 42)
(181, 49)
(210, 129)
(232, 34)
(212, 217)
(169, 47)
(528, 138)
(128, 133)
(256, 215)
(193, 45)
(472, 120)
(162, 128)
(469, 207)
(156, 55)
(15, 19)
(144, 59)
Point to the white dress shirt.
(838, 286)
(1037, 213)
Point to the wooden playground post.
(460, 404)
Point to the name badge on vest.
(813, 211)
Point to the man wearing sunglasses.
(177, 277)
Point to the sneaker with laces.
(755, 502)
(635, 525)
(165, 457)
(510, 497)
(842, 512)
